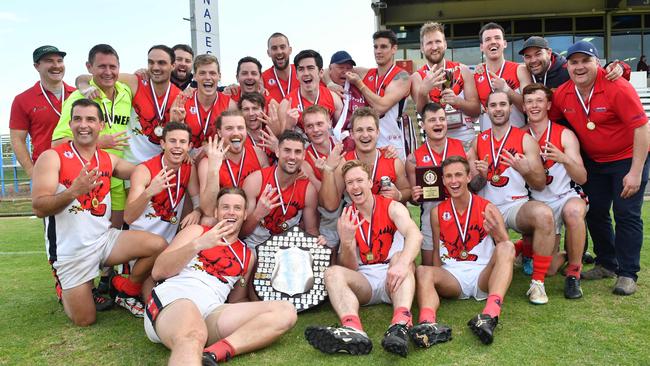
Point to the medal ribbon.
(548, 137)
(81, 160)
(178, 185)
(495, 160)
(241, 166)
(285, 208)
(585, 107)
(444, 152)
(462, 231)
(241, 261)
(109, 117)
(316, 151)
(374, 167)
(58, 113)
(545, 74)
(277, 81)
(204, 128)
(300, 106)
(378, 90)
(160, 110)
(487, 73)
(367, 238)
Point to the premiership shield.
(290, 266)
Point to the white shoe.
(537, 293)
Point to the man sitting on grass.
(202, 269)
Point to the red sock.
(493, 305)
(402, 315)
(527, 246)
(222, 350)
(427, 315)
(352, 321)
(127, 286)
(540, 266)
(519, 247)
(573, 270)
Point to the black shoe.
(396, 340)
(102, 303)
(341, 339)
(209, 359)
(104, 286)
(587, 258)
(483, 326)
(426, 335)
(572, 289)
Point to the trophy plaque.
(430, 179)
(291, 267)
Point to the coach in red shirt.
(611, 125)
(36, 111)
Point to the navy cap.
(342, 57)
(582, 47)
(46, 50)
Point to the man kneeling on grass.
(202, 269)
(379, 242)
(472, 258)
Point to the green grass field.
(599, 329)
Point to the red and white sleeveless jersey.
(311, 149)
(324, 100)
(483, 87)
(383, 167)
(477, 246)
(558, 181)
(390, 132)
(510, 185)
(203, 121)
(278, 88)
(423, 156)
(75, 230)
(144, 120)
(232, 174)
(220, 267)
(163, 212)
(382, 233)
(292, 196)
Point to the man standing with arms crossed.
(611, 125)
(36, 111)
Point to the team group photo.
(424, 203)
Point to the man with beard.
(473, 258)
(278, 197)
(309, 70)
(36, 111)
(379, 242)
(611, 125)
(499, 74)
(388, 175)
(182, 74)
(505, 160)
(232, 163)
(201, 110)
(549, 68)
(458, 95)
(115, 100)
(201, 311)
(385, 89)
(435, 149)
(160, 185)
(280, 79)
(153, 96)
(72, 193)
(252, 106)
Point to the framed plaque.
(430, 179)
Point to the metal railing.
(12, 175)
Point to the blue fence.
(12, 177)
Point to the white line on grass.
(21, 253)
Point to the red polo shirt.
(615, 108)
(31, 112)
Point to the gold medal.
(370, 257)
(94, 202)
(284, 226)
(173, 220)
(463, 254)
(496, 178)
(158, 131)
(591, 126)
(242, 282)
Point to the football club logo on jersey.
(68, 154)
(193, 110)
(371, 77)
(446, 216)
(271, 82)
(484, 136)
(426, 159)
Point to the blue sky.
(131, 27)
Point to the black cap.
(534, 41)
(342, 57)
(46, 50)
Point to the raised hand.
(518, 161)
(347, 225)
(353, 78)
(498, 83)
(216, 236)
(433, 79)
(334, 158)
(90, 92)
(86, 181)
(177, 110)
(160, 182)
(116, 141)
(482, 166)
(216, 151)
(551, 152)
(268, 139)
(269, 200)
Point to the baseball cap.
(582, 47)
(534, 41)
(44, 50)
(342, 57)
